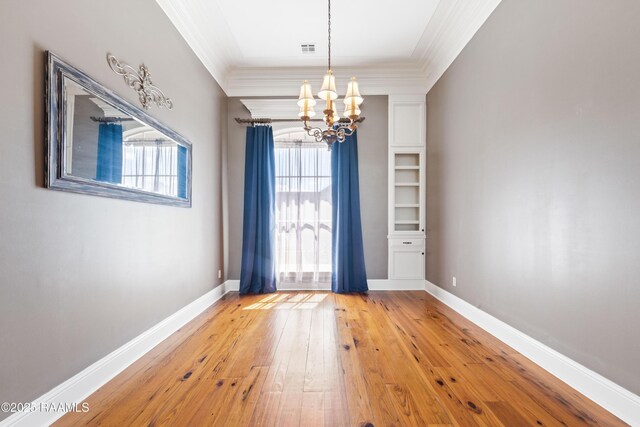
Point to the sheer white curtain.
(303, 210)
(150, 162)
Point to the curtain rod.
(153, 140)
(111, 119)
(265, 121)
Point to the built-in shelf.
(406, 186)
(407, 179)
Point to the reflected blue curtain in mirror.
(258, 271)
(349, 273)
(182, 171)
(109, 165)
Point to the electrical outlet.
(219, 274)
(454, 281)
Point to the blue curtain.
(349, 273)
(258, 272)
(109, 167)
(182, 172)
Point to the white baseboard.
(374, 285)
(232, 285)
(80, 386)
(614, 398)
(395, 285)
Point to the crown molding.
(279, 108)
(286, 81)
(452, 26)
(207, 34)
(205, 30)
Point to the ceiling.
(361, 35)
(252, 47)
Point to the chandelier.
(337, 129)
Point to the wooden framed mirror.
(100, 144)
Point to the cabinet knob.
(422, 253)
(406, 243)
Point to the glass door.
(303, 210)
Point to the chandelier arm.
(316, 133)
(348, 131)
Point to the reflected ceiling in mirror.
(101, 144)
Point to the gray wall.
(533, 179)
(82, 275)
(85, 137)
(373, 163)
(234, 177)
(372, 157)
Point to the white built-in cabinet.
(407, 151)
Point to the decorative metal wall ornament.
(140, 81)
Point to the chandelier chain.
(329, 34)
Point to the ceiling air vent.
(308, 48)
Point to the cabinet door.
(407, 122)
(406, 263)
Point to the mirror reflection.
(105, 144)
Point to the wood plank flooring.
(321, 359)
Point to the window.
(303, 209)
(150, 161)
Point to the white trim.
(277, 108)
(614, 398)
(285, 81)
(232, 285)
(80, 386)
(394, 285)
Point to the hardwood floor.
(316, 358)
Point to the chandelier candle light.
(337, 130)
